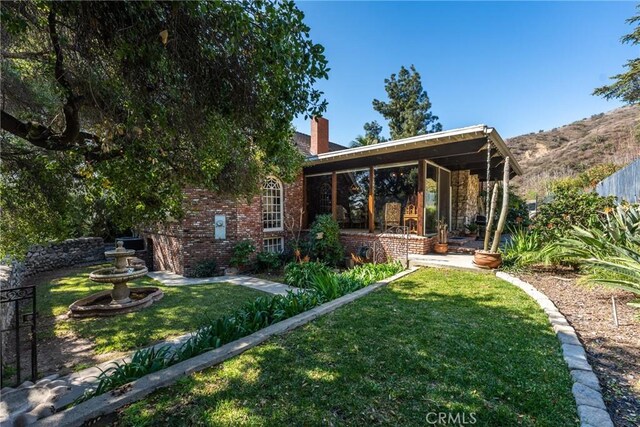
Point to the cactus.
(505, 207)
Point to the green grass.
(434, 341)
(181, 310)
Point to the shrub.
(268, 261)
(555, 219)
(611, 250)
(528, 248)
(327, 248)
(207, 268)
(300, 274)
(241, 252)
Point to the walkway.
(168, 278)
(459, 261)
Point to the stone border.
(586, 388)
(111, 401)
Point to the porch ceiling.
(463, 149)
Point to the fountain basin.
(101, 304)
(113, 275)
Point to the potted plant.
(442, 246)
(471, 229)
(490, 257)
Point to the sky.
(519, 67)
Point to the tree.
(372, 135)
(408, 110)
(626, 85)
(127, 103)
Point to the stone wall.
(41, 258)
(180, 246)
(465, 189)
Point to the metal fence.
(624, 184)
(21, 302)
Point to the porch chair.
(391, 215)
(341, 216)
(411, 218)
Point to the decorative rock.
(587, 396)
(587, 378)
(568, 337)
(42, 410)
(575, 357)
(591, 416)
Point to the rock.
(42, 410)
(594, 416)
(586, 378)
(587, 396)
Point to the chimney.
(319, 136)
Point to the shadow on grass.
(181, 310)
(435, 341)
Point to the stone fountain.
(121, 299)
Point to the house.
(371, 191)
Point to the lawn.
(180, 311)
(434, 341)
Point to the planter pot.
(441, 248)
(486, 259)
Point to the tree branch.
(23, 55)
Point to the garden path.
(168, 278)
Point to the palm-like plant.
(611, 251)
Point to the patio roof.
(457, 149)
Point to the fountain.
(121, 299)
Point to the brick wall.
(180, 246)
(388, 246)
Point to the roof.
(455, 149)
(303, 142)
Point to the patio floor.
(459, 261)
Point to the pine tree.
(372, 135)
(408, 110)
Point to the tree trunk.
(492, 212)
(505, 206)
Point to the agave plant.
(611, 251)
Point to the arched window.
(272, 204)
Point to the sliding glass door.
(437, 197)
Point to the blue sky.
(519, 67)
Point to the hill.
(611, 137)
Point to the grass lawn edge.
(138, 389)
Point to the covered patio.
(407, 184)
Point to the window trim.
(262, 204)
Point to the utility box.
(220, 227)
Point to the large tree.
(123, 104)
(626, 86)
(408, 110)
(372, 135)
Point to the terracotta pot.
(487, 259)
(441, 248)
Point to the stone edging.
(111, 401)
(586, 388)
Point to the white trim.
(431, 139)
(262, 205)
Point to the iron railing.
(23, 300)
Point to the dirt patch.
(614, 352)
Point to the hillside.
(602, 138)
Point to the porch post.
(422, 178)
(371, 201)
(334, 196)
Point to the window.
(272, 204)
(273, 244)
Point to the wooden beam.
(371, 201)
(334, 196)
(422, 178)
(305, 207)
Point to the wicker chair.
(341, 216)
(411, 218)
(391, 215)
